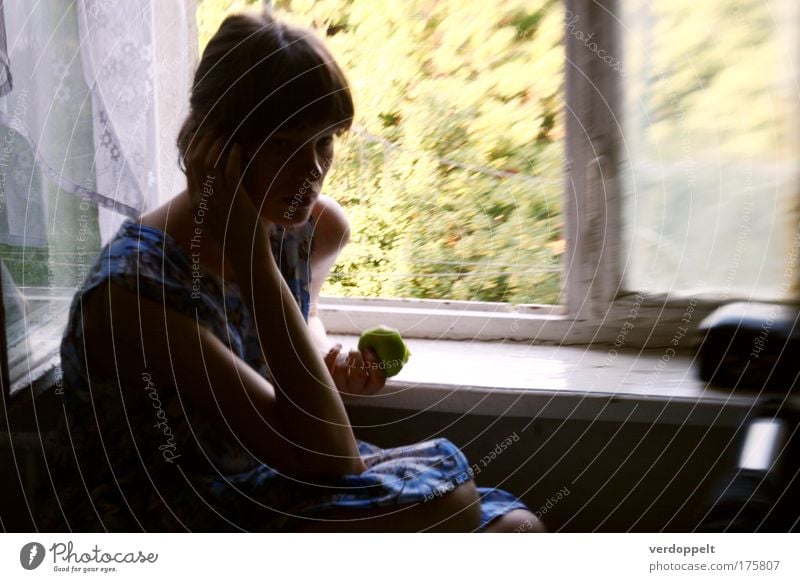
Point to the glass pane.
(711, 148)
(48, 240)
(48, 237)
(452, 175)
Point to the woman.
(195, 392)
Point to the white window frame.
(597, 307)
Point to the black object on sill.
(751, 346)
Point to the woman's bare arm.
(358, 372)
(331, 235)
(307, 399)
(301, 420)
(306, 395)
(217, 387)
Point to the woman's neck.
(176, 218)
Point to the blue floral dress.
(151, 465)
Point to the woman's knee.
(455, 511)
(517, 521)
(458, 510)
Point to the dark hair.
(257, 75)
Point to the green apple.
(392, 351)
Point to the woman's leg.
(516, 521)
(456, 511)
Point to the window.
(652, 207)
(710, 150)
(90, 95)
(674, 196)
(527, 170)
(452, 176)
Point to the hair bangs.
(257, 76)
(307, 89)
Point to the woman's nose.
(306, 161)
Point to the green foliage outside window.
(452, 175)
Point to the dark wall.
(620, 477)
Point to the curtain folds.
(82, 115)
(92, 93)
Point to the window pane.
(48, 240)
(710, 118)
(48, 237)
(452, 176)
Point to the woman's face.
(286, 172)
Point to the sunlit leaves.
(451, 177)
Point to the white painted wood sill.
(554, 382)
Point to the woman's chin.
(289, 217)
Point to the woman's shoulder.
(147, 262)
(143, 263)
(138, 255)
(131, 259)
(329, 228)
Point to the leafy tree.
(452, 175)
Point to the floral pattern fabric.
(133, 456)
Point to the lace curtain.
(92, 93)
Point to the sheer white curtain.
(92, 93)
(85, 107)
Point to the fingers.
(337, 367)
(195, 158)
(229, 176)
(330, 357)
(213, 154)
(355, 373)
(358, 374)
(233, 183)
(233, 167)
(352, 374)
(204, 156)
(376, 379)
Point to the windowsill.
(650, 322)
(556, 382)
(503, 378)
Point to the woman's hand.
(223, 210)
(356, 373)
